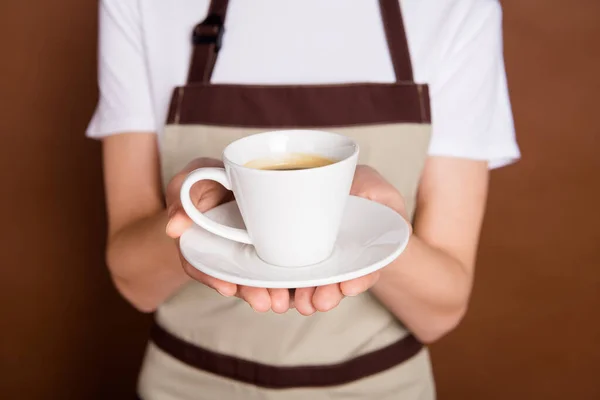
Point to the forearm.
(144, 262)
(426, 289)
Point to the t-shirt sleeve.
(125, 103)
(471, 109)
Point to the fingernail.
(168, 226)
(312, 312)
(258, 311)
(352, 293)
(223, 294)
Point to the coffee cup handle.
(217, 175)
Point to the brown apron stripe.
(396, 39)
(299, 106)
(207, 38)
(218, 7)
(277, 377)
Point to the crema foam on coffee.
(290, 162)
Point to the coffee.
(290, 162)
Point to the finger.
(363, 175)
(208, 194)
(327, 297)
(178, 224)
(205, 195)
(357, 286)
(172, 190)
(226, 289)
(280, 300)
(258, 298)
(303, 301)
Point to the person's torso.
(389, 118)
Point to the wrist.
(144, 262)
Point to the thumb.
(178, 223)
(205, 197)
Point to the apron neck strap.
(396, 39)
(208, 35)
(207, 38)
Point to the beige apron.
(205, 346)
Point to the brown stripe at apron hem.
(284, 377)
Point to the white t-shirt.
(456, 47)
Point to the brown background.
(533, 331)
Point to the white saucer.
(371, 236)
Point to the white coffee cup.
(292, 216)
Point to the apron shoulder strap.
(208, 35)
(396, 39)
(207, 38)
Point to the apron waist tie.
(284, 377)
